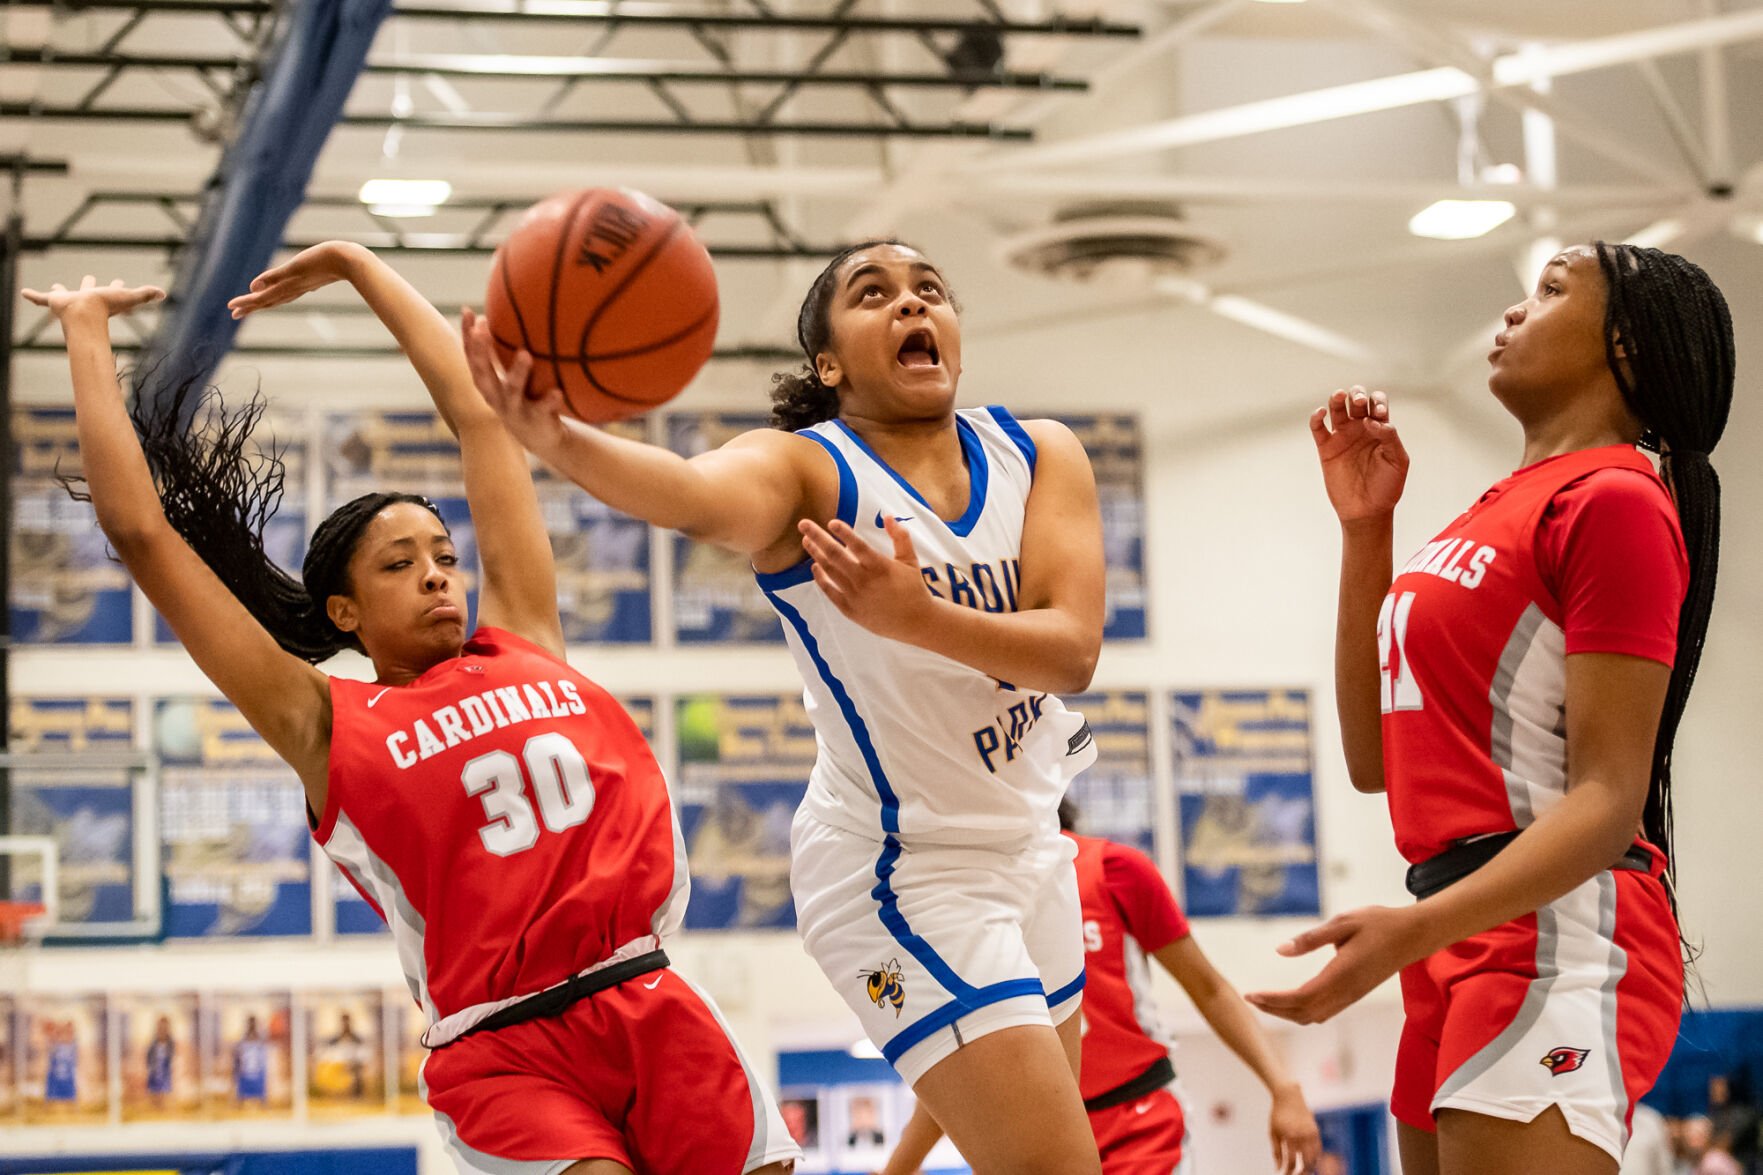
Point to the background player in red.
(498, 808)
(1516, 690)
(1128, 1080)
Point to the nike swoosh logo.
(653, 986)
(378, 696)
(881, 525)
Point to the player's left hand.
(885, 595)
(1371, 944)
(1297, 1143)
(308, 270)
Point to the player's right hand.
(99, 301)
(307, 270)
(534, 418)
(1364, 465)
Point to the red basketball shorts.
(1575, 1006)
(1142, 1137)
(645, 1073)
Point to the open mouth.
(919, 350)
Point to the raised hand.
(885, 595)
(534, 418)
(301, 274)
(1364, 465)
(92, 298)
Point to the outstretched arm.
(1297, 1144)
(284, 699)
(520, 578)
(916, 1140)
(1053, 642)
(744, 497)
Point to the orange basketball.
(612, 294)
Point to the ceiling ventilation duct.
(1117, 242)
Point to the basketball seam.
(557, 276)
(610, 300)
(513, 303)
(657, 345)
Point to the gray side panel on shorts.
(471, 1161)
(1618, 968)
(1548, 970)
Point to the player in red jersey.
(1516, 690)
(500, 810)
(1127, 1079)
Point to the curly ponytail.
(1669, 343)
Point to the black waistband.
(1161, 1073)
(1465, 857)
(555, 1000)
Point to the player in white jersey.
(940, 579)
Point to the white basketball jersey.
(911, 742)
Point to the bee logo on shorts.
(886, 985)
(1563, 1060)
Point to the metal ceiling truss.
(973, 59)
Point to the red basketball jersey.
(1127, 911)
(1577, 553)
(506, 818)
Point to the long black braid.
(219, 490)
(798, 398)
(1668, 339)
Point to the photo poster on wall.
(161, 1056)
(603, 569)
(402, 452)
(11, 1059)
(88, 811)
(345, 1054)
(404, 1028)
(67, 1059)
(232, 822)
(1114, 795)
(1246, 801)
(715, 598)
(65, 588)
(1116, 449)
(279, 437)
(743, 769)
(248, 1055)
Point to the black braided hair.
(798, 398)
(1668, 340)
(219, 490)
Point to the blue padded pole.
(310, 68)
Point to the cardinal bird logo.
(1563, 1060)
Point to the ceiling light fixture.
(1461, 220)
(389, 197)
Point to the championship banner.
(1114, 795)
(248, 1069)
(715, 600)
(67, 1059)
(161, 1057)
(89, 811)
(65, 587)
(1117, 455)
(233, 824)
(603, 572)
(1243, 774)
(402, 452)
(743, 769)
(285, 437)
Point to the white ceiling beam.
(1385, 93)
(1250, 189)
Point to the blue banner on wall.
(743, 769)
(715, 600)
(603, 572)
(1243, 773)
(1114, 796)
(1117, 455)
(233, 824)
(65, 587)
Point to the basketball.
(613, 296)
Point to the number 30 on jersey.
(559, 777)
(1400, 691)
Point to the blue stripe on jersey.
(777, 581)
(890, 810)
(1015, 432)
(1069, 990)
(978, 474)
(954, 1010)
